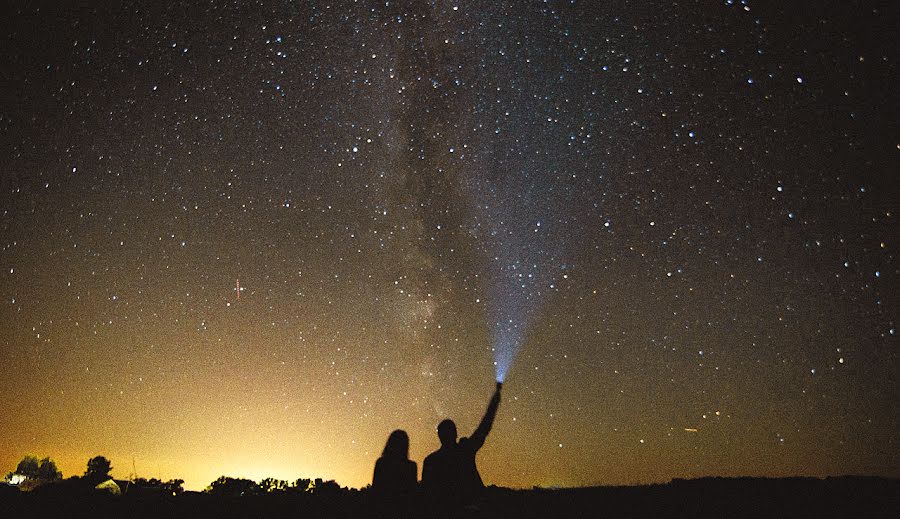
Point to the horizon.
(258, 475)
(254, 240)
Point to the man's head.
(447, 432)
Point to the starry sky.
(253, 238)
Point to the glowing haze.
(253, 240)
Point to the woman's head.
(397, 445)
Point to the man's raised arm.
(480, 434)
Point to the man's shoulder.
(465, 444)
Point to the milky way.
(682, 216)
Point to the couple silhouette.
(450, 475)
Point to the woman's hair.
(397, 445)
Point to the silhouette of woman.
(395, 474)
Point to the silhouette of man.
(449, 474)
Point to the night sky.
(682, 214)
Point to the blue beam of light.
(514, 296)
(507, 339)
(519, 226)
(527, 194)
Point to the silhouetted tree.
(44, 470)
(47, 471)
(302, 485)
(233, 487)
(326, 488)
(98, 469)
(273, 485)
(172, 486)
(175, 486)
(28, 467)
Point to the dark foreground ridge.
(708, 497)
